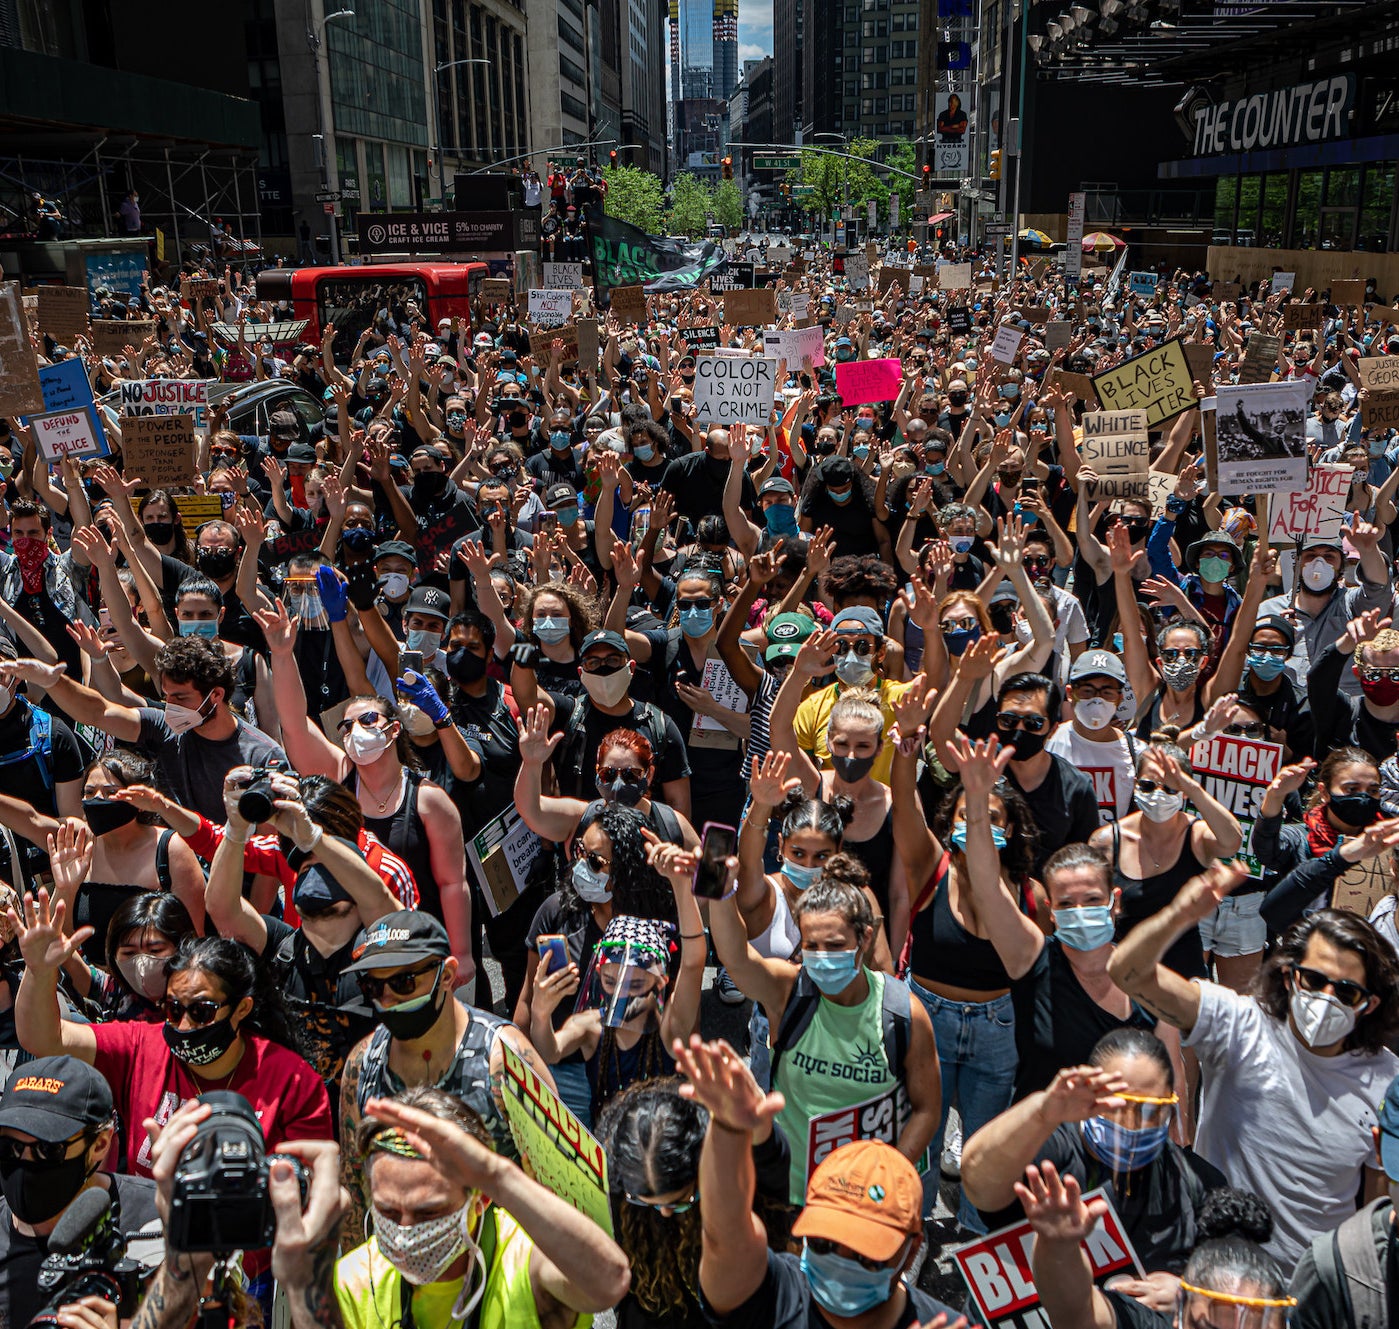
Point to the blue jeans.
(977, 1059)
(571, 1081)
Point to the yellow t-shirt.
(369, 1288)
(815, 712)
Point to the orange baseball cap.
(865, 1195)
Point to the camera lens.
(255, 802)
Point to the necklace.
(383, 803)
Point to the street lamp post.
(324, 117)
(844, 178)
(437, 118)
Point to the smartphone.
(553, 953)
(1029, 485)
(548, 521)
(410, 660)
(717, 843)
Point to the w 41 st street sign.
(792, 163)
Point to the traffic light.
(927, 174)
(996, 164)
(728, 165)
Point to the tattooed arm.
(172, 1296)
(303, 1254)
(352, 1176)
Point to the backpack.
(572, 761)
(1347, 1263)
(40, 746)
(895, 1019)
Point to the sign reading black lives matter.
(734, 389)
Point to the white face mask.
(422, 1252)
(146, 975)
(1318, 575)
(6, 697)
(182, 718)
(1321, 1020)
(394, 585)
(1094, 712)
(1159, 804)
(365, 745)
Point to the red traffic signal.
(927, 174)
(612, 158)
(728, 165)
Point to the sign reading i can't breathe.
(734, 389)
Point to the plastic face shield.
(1198, 1308)
(626, 981)
(302, 598)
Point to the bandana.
(1321, 835)
(392, 1140)
(32, 555)
(646, 936)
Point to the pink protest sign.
(859, 381)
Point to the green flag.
(624, 255)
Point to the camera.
(220, 1201)
(87, 1258)
(255, 802)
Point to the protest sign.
(929, 273)
(20, 392)
(1200, 357)
(440, 534)
(60, 434)
(1115, 446)
(293, 543)
(750, 309)
(857, 271)
(586, 330)
(1159, 486)
(629, 303)
(1379, 410)
(1077, 385)
(795, 303)
(1379, 373)
(196, 509)
(1260, 357)
(199, 288)
(1315, 512)
(1297, 316)
(732, 277)
(111, 336)
(915, 284)
(1035, 313)
(889, 276)
(1236, 772)
(555, 1147)
(167, 396)
(700, 339)
(1384, 315)
(1226, 290)
(1261, 441)
(860, 381)
(541, 343)
(879, 1117)
(734, 389)
(501, 856)
(795, 344)
(1157, 381)
(705, 730)
(998, 1272)
(1056, 335)
(63, 312)
(563, 276)
(955, 276)
(159, 449)
(550, 309)
(959, 320)
(1361, 887)
(1346, 293)
(1283, 281)
(65, 386)
(1007, 342)
(497, 288)
(1142, 283)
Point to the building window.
(1307, 228)
(1273, 222)
(1373, 233)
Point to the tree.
(904, 156)
(839, 179)
(728, 205)
(633, 196)
(691, 204)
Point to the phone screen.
(411, 660)
(712, 877)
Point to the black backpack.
(895, 1019)
(573, 764)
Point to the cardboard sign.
(500, 857)
(1283, 281)
(20, 392)
(753, 308)
(1363, 886)
(1346, 293)
(1317, 511)
(1384, 315)
(555, 1148)
(1261, 441)
(998, 1272)
(795, 344)
(159, 449)
(1116, 447)
(629, 303)
(732, 389)
(111, 336)
(586, 329)
(1079, 386)
(1226, 290)
(1379, 410)
(1200, 357)
(1297, 316)
(60, 434)
(1237, 772)
(167, 396)
(700, 339)
(63, 312)
(497, 288)
(889, 276)
(929, 273)
(1057, 333)
(861, 381)
(955, 276)
(199, 288)
(857, 271)
(1157, 381)
(794, 303)
(541, 344)
(1007, 343)
(1379, 373)
(1260, 357)
(563, 276)
(550, 309)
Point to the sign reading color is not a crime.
(734, 389)
(1157, 382)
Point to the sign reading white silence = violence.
(734, 389)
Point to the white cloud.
(752, 51)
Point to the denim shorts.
(1236, 927)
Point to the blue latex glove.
(423, 695)
(335, 595)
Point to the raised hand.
(1360, 630)
(769, 784)
(70, 856)
(1054, 1206)
(1201, 895)
(278, 627)
(40, 933)
(980, 763)
(536, 743)
(716, 1076)
(1120, 552)
(1079, 1092)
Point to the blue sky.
(754, 29)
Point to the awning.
(940, 217)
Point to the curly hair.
(1347, 932)
(1228, 1212)
(858, 577)
(582, 608)
(637, 888)
(197, 661)
(1022, 834)
(834, 893)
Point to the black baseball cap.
(400, 547)
(604, 637)
(398, 940)
(429, 600)
(53, 1098)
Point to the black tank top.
(403, 832)
(945, 951)
(1144, 897)
(1151, 721)
(877, 854)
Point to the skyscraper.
(696, 49)
(725, 48)
(786, 69)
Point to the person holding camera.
(57, 1125)
(463, 1235)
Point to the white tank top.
(780, 940)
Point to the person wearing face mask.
(696, 480)
(837, 495)
(1310, 1041)
(143, 937)
(1159, 847)
(56, 1128)
(395, 566)
(1106, 1123)
(425, 615)
(954, 415)
(44, 587)
(1372, 721)
(558, 617)
(425, 1036)
(1093, 742)
(461, 1235)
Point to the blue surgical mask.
(567, 516)
(1117, 643)
(1010, 391)
(845, 1287)
(799, 876)
(831, 971)
(840, 498)
(206, 628)
(696, 622)
(560, 440)
(424, 639)
(1123, 1148)
(958, 641)
(1085, 929)
(1267, 667)
(959, 836)
(780, 519)
(861, 450)
(551, 630)
(1002, 419)
(1377, 447)
(643, 452)
(935, 467)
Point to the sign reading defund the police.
(734, 389)
(998, 1274)
(1237, 772)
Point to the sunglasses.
(958, 624)
(1154, 786)
(675, 1207)
(401, 985)
(1346, 992)
(1009, 721)
(625, 774)
(820, 1246)
(368, 720)
(1277, 652)
(41, 1151)
(1181, 653)
(200, 1012)
(862, 646)
(607, 664)
(1035, 561)
(704, 602)
(1246, 730)
(595, 861)
(1371, 672)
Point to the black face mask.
(37, 1192)
(430, 483)
(957, 398)
(1355, 809)
(160, 532)
(357, 540)
(852, 769)
(202, 1046)
(106, 814)
(465, 666)
(1026, 744)
(619, 791)
(518, 419)
(218, 563)
(406, 1025)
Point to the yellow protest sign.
(1157, 382)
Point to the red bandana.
(32, 555)
(1321, 835)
